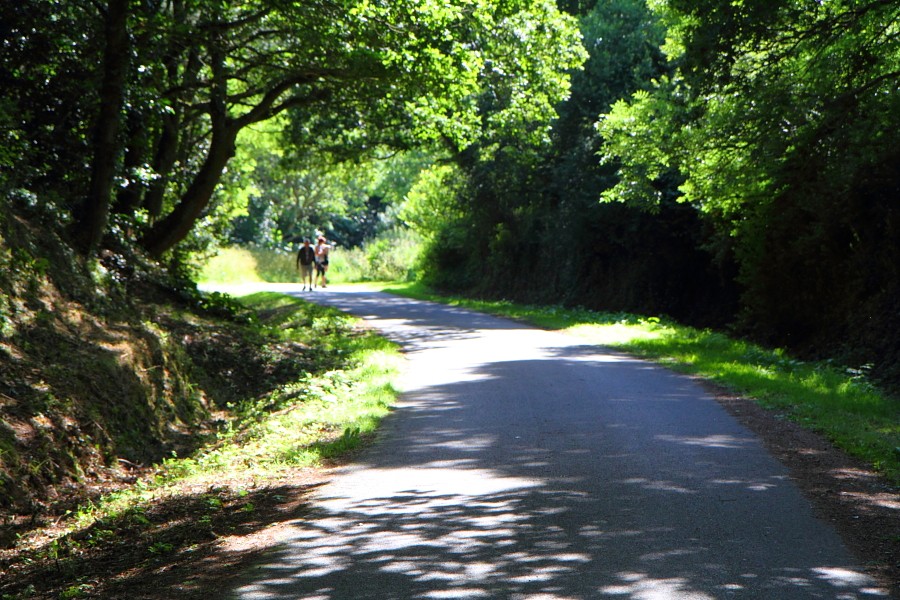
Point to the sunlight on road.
(525, 464)
(640, 586)
(447, 530)
(451, 531)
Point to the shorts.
(306, 270)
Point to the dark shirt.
(306, 256)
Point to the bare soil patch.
(189, 544)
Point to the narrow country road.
(521, 463)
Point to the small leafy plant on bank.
(839, 402)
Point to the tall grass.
(390, 257)
(231, 265)
(249, 265)
(834, 400)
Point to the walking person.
(322, 250)
(306, 258)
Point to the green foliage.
(130, 112)
(432, 202)
(161, 548)
(522, 220)
(435, 210)
(274, 265)
(348, 390)
(43, 73)
(348, 441)
(236, 265)
(288, 199)
(630, 130)
(781, 127)
(390, 257)
(81, 590)
(323, 412)
(230, 265)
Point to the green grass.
(322, 414)
(231, 265)
(249, 265)
(836, 401)
(384, 259)
(235, 265)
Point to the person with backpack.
(306, 258)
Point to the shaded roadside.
(844, 491)
(186, 545)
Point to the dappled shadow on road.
(600, 489)
(516, 539)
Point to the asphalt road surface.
(521, 463)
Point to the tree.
(157, 123)
(775, 81)
(781, 123)
(49, 95)
(280, 198)
(525, 221)
(106, 128)
(317, 59)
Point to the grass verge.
(324, 413)
(836, 401)
(123, 543)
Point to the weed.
(348, 441)
(99, 536)
(137, 517)
(80, 590)
(161, 548)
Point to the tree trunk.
(128, 200)
(166, 233)
(94, 216)
(166, 154)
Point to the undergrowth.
(321, 413)
(389, 257)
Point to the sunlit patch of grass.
(237, 265)
(834, 400)
(231, 265)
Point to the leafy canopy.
(759, 86)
